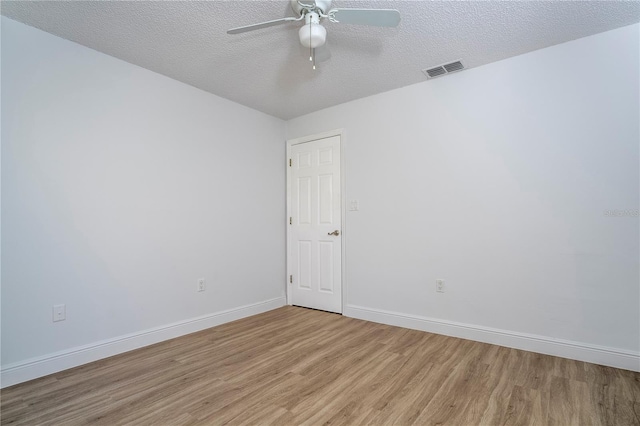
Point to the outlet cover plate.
(59, 313)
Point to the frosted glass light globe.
(312, 35)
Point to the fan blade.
(375, 17)
(260, 25)
(323, 53)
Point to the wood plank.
(300, 366)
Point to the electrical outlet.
(440, 286)
(354, 205)
(201, 285)
(59, 313)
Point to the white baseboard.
(41, 366)
(602, 355)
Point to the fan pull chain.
(313, 49)
(310, 48)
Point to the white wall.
(120, 188)
(496, 179)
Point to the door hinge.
(291, 279)
(289, 162)
(290, 220)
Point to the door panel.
(304, 264)
(315, 250)
(325, 183)
(304, 200)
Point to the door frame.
(343, 203)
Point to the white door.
(315, 232)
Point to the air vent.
(454, 66)
(443, 69)
(434, 72)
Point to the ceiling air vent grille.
(434, 72)
(443, 69)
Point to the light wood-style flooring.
(299, 366)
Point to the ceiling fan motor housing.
(312, 34)
(322, 5)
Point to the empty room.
(288, 212)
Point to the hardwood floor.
(300, 366)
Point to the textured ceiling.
(268, 69)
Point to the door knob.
(336, 233)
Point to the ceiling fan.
(312, 34)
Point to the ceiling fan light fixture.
(312, 34)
